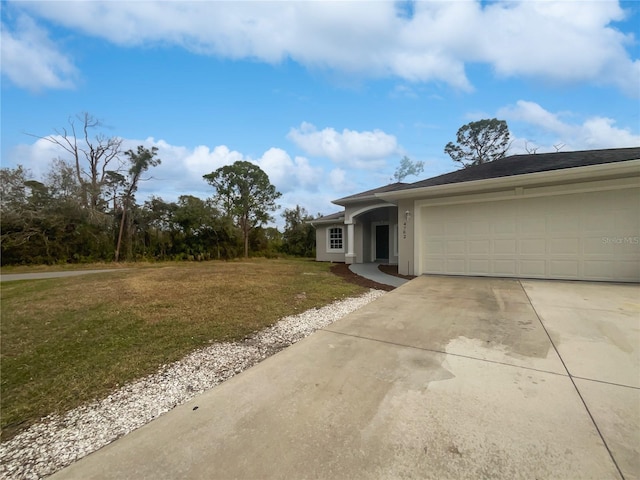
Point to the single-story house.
(563, 215)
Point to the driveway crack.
(571, 377)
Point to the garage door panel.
(505, 227)
(564, 246)
(627, 220)
(436, 228)
(479, 266)
(630, 269)
(562, 223)
(455, 247)
(532, 225)
(505, 246)
(479, 228)
(480, 247)
(533, 268)
(455, 228)
(591, 236)
(456, 266)
(435, 265)
(595, 245)
(533, 246)
(505, 267)
(600, 269)
(563, 269)
(435, 247)
(599, 223)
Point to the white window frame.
(342, 239)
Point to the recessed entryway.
(382, 243)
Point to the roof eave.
(327, 221)
(344, 202)
(589, 172)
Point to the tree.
(140, 162)
(299, 237)
(245, 194)
(479, 142)
(91, 156)
(42, 222)
(407, 168)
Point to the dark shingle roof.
(371, 193)
(522, 164)
(328, 218)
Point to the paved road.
(441, 378)
(43, 275)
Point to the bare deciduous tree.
(92, 156)
(531, 150)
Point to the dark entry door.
(382, 242)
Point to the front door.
(382, 242)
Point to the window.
(334, 240)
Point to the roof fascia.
(575, 174)
(368, 199)
(327, 222)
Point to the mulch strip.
(342, 270)
(393, 270)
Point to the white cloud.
(288, 174)
(366, 150)
(551, 129)
(340, 183)
(558, 41)
(36, 157)
(180, 173)
(30, 60)
(201, 160)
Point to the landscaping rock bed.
(59, 440)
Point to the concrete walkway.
(372, 272)
(441, 378)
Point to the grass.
(71, 340)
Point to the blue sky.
(325, 96)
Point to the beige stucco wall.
(321, 244)
(406, 237)
(358, 242)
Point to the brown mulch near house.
(393, 270)
(342, 270)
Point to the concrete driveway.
(442, 378)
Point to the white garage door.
(586, 236)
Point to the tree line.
(84, 209)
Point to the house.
(563, 215)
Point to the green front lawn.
(71, 340)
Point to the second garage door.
(585, 236)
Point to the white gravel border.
(59, 440)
